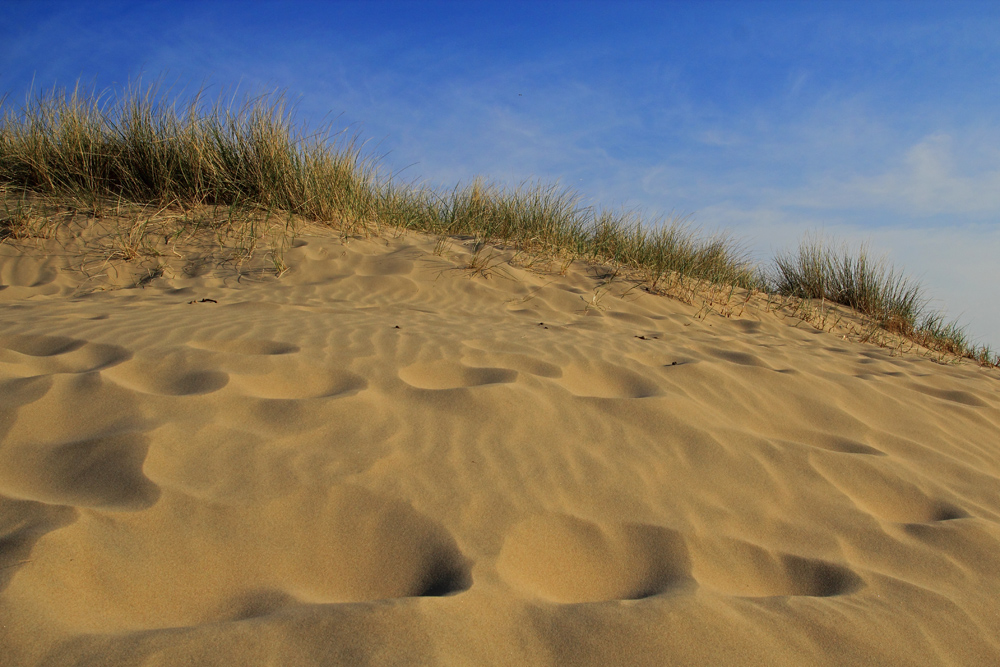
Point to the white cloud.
(929, 180)
(939, 176)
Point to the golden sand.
(383, 458)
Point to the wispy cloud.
(873, 122)
(930, 180)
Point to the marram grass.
(135, 146)
(823, 270)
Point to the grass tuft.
(133, 147)
(872, 286)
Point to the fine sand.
(385, 457)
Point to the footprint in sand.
(41, 346)
(277, 374)
(521, 363)
(878, 491)
(298, 381)
(734, 567)
(176, 371)
(22, 524)
(43, 355)
(103, 471)
(320, 545)
(954, 396)
(384, 548)
(834, 443)
(23, 391)
(167, 377)
(566, 559)
(367, 548)
(249, 347)
(599, 379)
(439, 375)
(25, 272)
(520, 358)
(736, 357)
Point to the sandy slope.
(383, 459)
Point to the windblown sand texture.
(385, 458)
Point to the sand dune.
(385, 458)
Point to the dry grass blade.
(135, 146)
(894, 302)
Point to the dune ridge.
(384, 457)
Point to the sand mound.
(386, 458)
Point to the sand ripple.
(385, 458)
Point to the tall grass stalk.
(870, 285)
(138, 147)
(135, 146)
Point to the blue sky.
(868, 121)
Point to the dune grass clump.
(138, 147)
(107, 152)
(550, 220)
(873, 287)
(855, 279)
